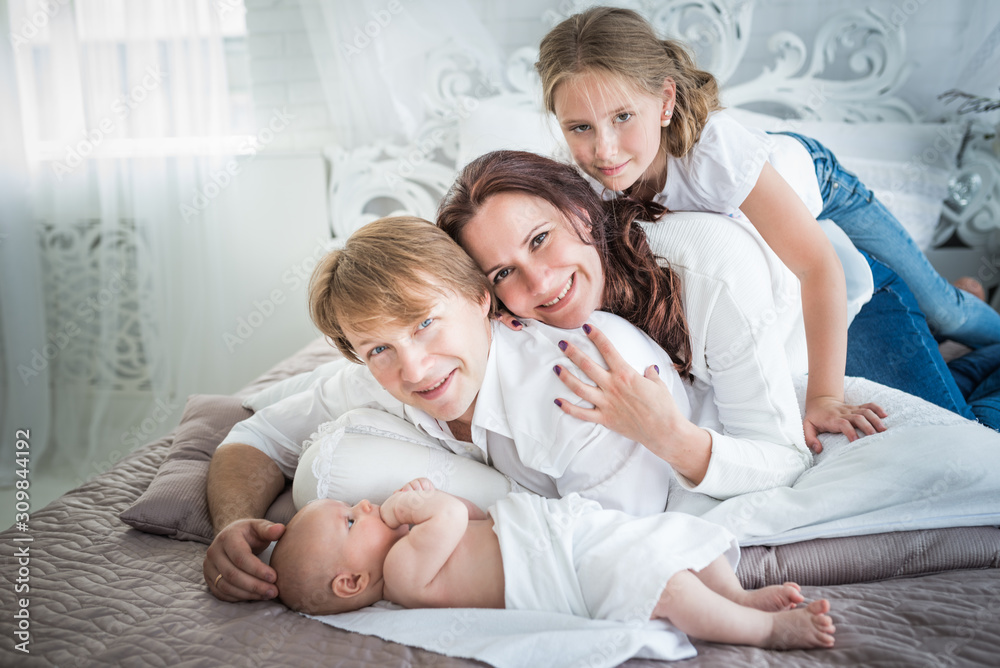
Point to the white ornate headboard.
(866, 51)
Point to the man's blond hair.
(390, 271)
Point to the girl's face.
(539, 266)
(613, 130)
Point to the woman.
(727, 314)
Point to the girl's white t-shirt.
(721, 169)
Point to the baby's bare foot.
(972, 286)
(774, 598)
(803, 628)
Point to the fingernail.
(586, 329)
(563, 346)
(558, 402)
(557, 369)
(271, 593)
(657, 368)
(516, 323)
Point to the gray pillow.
(175, 504)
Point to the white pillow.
(369, 454)
(293, 385)
(509, 121)
(913, 193)
(906, 165)
(917, 144)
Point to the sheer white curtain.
(24, 405)
(376, 58)
(126, 121)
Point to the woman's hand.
(830, 415)
(233, 556)
(508, 319)
(639, 407)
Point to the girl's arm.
(797, 239)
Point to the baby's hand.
(417, 484)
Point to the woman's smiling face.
(533, 255)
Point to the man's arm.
(242, 484)
(439, 521)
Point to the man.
(407, 303)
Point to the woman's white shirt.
(748, 339)
(516, 427)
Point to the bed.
(82, 587)
(105, 593)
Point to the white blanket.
(930, 469)
(517, 638)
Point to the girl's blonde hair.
(621, 43)
(390, 271)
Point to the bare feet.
(772, 599)
(803, 628)
(972, 286)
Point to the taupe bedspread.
(102, 593)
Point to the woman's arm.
(742, 309)
(793, 234)
(758, 446)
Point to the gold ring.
(217, 578)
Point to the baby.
(424, 548)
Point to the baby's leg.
(720, 578)
(689, 604)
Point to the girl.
(643, 121)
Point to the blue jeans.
(951, 313)
(978, 377)
(890, 342)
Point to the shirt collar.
(485, 417)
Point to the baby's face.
(355, 536)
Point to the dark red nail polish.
(563, 346)
(586, 329)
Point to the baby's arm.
(475, 512)
(439, 521)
